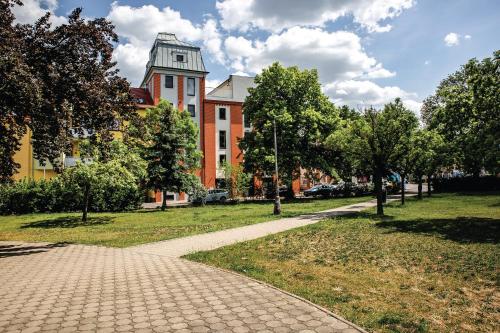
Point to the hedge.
(469, 183)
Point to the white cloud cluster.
(277, 15)
(337, 55)
(453, 39)
(343, 65)
(32, 10)
(362, 93)
(139, 27)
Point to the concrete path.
(78, 288)
(209, 241)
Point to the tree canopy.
(170, 147)
(465, 110)
(57, 82)
(304, 117)
(371, 141)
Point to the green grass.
(432, 266)
(133, 228)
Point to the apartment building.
(176, 72)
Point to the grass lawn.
(432, 266)
(132, 228)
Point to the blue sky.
(367, 52)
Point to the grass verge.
(133, 228)
(432, 266)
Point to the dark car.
(324, 190)
(349, 189)
(271, 191)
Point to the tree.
(236, 180)
(19, 91)
(170, 148)
(372, 140)
(465, 110)
(427, 153)
(81, 91)
(303, 115)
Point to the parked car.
(324, 190)
(271, 190)
(349, 189)
(216, 195)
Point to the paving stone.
(59, 288)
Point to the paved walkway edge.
(319, 307)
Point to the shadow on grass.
(460, 229)
(23, 250)
(69, 222)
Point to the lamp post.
(277, 203)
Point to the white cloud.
(277, 15)
(337, 55)
(427, 62)
(452, 39)
(139, 27)
(211, 85)
(467, 36)
(361, 94)
(32, 10)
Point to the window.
(222, 113)
(191, 86)
(222, 140)
(179, 57)
(222, 159)
(246, 121)
(192, 110)
(169, 81)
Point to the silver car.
(217, 195)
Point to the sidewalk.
(181, 246)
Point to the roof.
(164, 53)
(141, 97)
(234, 89)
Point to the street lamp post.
(277, 203)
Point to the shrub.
(469, 183)
(113, 188)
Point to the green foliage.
(197, 193)
(304, 117)
(427, 152)
(170, 147)
(465, 110)
(371, 143)
(236, 180)
(111, 187)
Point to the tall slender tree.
(170, 147)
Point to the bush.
(114, 189)
(458, 184)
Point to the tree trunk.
(164, 201)
(86, 195)
(429, 185)
(403, 189)
(420, 187)
(377, 178)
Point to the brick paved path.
(78, 288)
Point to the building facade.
(176, 72)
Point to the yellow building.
(30, 168)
